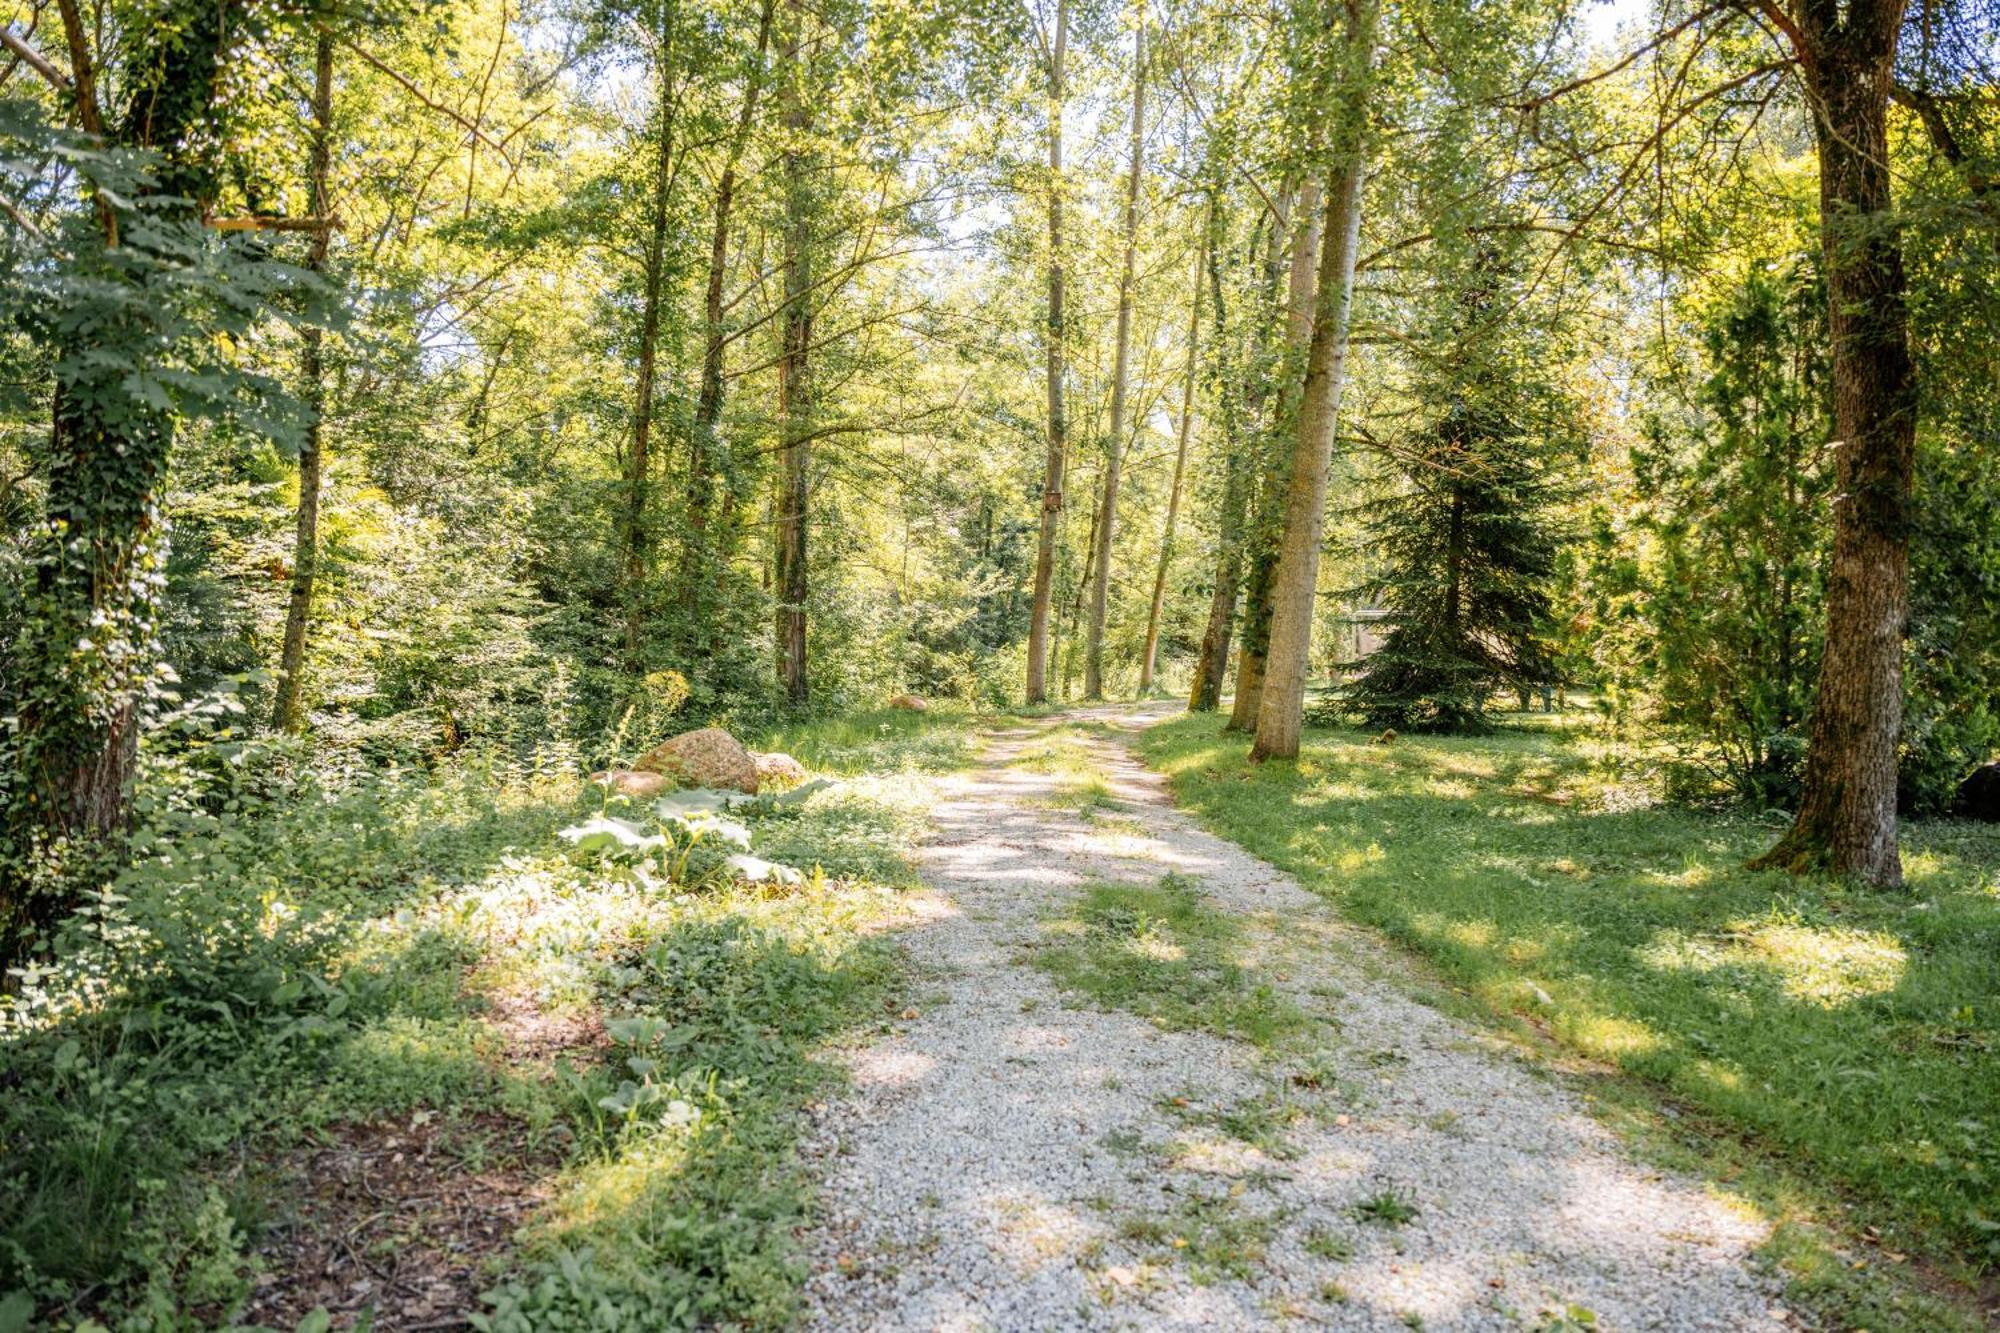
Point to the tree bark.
(638, 465)
(1295, 582)
(1301, 290)
(81, 668)
(1212, 661)
(1149, 660)
(1114, 445)
(795, 401)
(1052, 481)
(697, 567)
(286, 714)
(1847, 814)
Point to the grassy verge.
(1843, 1045)
(399, 1047)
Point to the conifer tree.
(1470, 541)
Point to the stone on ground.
(777, 771)
(710, 757)
(910, 703)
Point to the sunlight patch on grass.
(1846, 1034)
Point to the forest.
(999, 663)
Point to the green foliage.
(1846, 1033)
(292, 951)
(1738, 501)
(1470, 538)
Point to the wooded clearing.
(565, 563)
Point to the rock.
(625, 782)
(910, 703)
(777, 772)
(1979, 795)
(710, 757)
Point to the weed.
(1388, 1209)
(1158, 951)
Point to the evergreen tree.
(1470, 540)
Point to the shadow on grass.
(681, 1206)
(1857, 1032)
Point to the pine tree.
(1470, 541)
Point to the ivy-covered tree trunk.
(1121, 375)
(286, 713)
(89, 646)
(1039, 609)
(1847, 814)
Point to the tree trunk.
(286, 714)
(795, 403)
(1149, 661)
(1847, 814)
(638, 466)
(1212, 661)
(83, 664)
(1114, 445)
(1052, 494)
(698, 568)
(1083, 586)
(1295, 583)
(1301, 289)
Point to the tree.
(1149, 654)
(1296, 579)
(1121, 382)
(286, 713)
(1737, 498)
(136, 312)
(1471, 539)
(1054, 50)
(1846, 820)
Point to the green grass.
(1159, 952)
(1215, 1236)
(308, 963)
(1849, 1036)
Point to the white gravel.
(996, 1155)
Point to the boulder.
(625, 782)
(1979, 795)
(710, 757)
(777, 772)
(910, 703)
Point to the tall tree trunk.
(1083, 586)
(697, 566)
(285, 711)
(1148, 662)
(639, 464)
(1847, 813)
(795, 399)
(1295, 583)
(1301, 290)
(1052, 492)
(1114, 445)
(1212, 660)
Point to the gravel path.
(1010, 1160)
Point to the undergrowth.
(286, 959)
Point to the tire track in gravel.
(1010, 1160)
